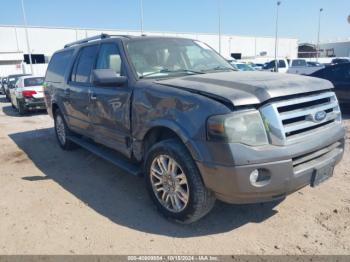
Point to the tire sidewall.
(58, 114)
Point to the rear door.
(110, 105)
(77, 93)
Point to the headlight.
(245, 127)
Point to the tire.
(62, 132)
(196, 203)
(21, 109)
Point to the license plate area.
(321, 174)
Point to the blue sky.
(298, 18)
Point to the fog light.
(259, 177)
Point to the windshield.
(34, 81)
(162, 57)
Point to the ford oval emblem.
(320, 115)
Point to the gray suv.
(176, 112)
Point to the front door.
(110, 105)
(77, 92)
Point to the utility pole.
(219, 14)
(141, 15)
(318, 34)
(276, 36)
(27, 37)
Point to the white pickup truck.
(292, 66)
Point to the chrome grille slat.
(307, 111)
(307, 123)
(304, 99)
(295, 138)
(290, 120)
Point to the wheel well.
(156, 135)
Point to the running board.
(107, 154)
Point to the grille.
(293, 119)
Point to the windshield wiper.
(167, 71)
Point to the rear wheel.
(20, 107)
(62, 132)
(175, 184)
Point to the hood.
(248, 88)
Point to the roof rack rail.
(93, 38)
(86, 40)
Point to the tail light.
(28, 93)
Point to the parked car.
(311, 63)
(177, 113)
(257, 67)
(340, 61)
(3, 84)
(292, 66)
(11, 82)
(339, 75)
(28, 94)
(242, 66)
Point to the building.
(44, 41)
(306, 50)
(335, 49)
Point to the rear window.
(35, 81)
(58, 65)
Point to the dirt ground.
(57, 202)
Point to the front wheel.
(175, 184)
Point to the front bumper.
(288, 168)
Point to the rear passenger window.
(57, 66)
(84, 64)
(109, 58)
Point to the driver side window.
(109, 58)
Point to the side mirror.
(107, 77)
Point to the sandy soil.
(56, 202)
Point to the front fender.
(174, 127)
